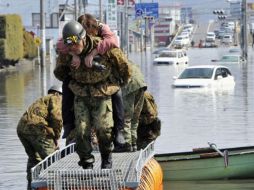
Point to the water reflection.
(20, 86)
(192, 118)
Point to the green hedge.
(11, 37)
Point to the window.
(218, 73)
(225, 72)
(54, 20)
(36, 19)
(204, 73)
(50, 22)
(168, 54)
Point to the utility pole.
(141, 36)
(140, 41)
(80, 5)
(100, 10)
(126, 3)
(42, 33)
(75, 10)
(152, 34)
(145, 33)
(244, 41)
(122, 42)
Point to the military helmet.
(73, 32)
(55, 88)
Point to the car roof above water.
(205, 66)
(172, 50)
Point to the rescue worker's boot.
(67, 108)
(106, 161)
(119, 137)
(86, 163)
(118, 117)
(123, 148)
(86, 166)
(29, 185)
(134, 148)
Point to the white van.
(182, 40)
(231, 25)
(227, 39)
(172, 57)
(188, 27)
(210, 37)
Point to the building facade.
(186, 15)
(165, 27)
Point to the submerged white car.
(182, 40)
(172, 57)
(231, 58)
(204, 76)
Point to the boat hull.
(190, 166)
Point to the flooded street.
(190, 117)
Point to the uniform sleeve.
(62, 70)
(109, 40)
(122, 70)
(55, 115)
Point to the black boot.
(106, 161)
(134, 148)
(86, 164)
(29, 187)
(118, 110)
(67, 108)
(119, 137)
(122, 148)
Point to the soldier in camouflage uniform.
(133, 98)
(93, 90)
(149, 123)
(39, 128)
(93, 27)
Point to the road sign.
(147, 9)
(37, 41)
(139, 12)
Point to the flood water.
(190, 118)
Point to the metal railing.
(144, 156)
(49, 160)
(60, 171)
(83, 179)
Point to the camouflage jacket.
(90, 81)
(136, 81)
(43, 116)
(149, 111)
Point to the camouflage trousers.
(71, 138)
(37, 148)
(133, 104)
(91, 113)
